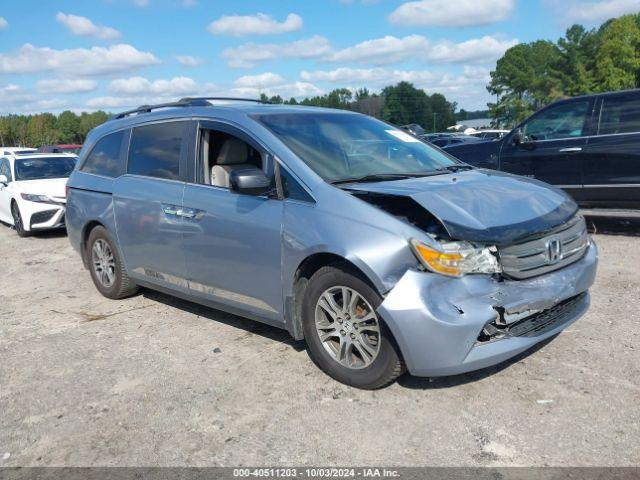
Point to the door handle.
(570, 150)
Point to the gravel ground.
(85, 381)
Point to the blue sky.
(114, 54)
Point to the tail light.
(66, 191)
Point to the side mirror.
(250, 181)
(4, 180)
(518, 137)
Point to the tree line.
(531, 75)
(48, 129)
(399, 104)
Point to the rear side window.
(620, 115)
(154, 150)
(105, 158)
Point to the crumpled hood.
(53, 187)
(483, 205)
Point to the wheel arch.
(305, 270)
(84, 237)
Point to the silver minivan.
(382, 252)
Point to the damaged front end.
(511, 265)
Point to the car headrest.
(233, 152)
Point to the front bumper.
(436, 320)
(42, 216)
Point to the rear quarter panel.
(89, 200)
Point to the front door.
(553, 143)
(148, 204)
(233, 241)
(612, 160)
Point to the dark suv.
(588, 146)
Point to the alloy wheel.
(348, 327)
(103, 261)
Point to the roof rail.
(148, 108)
(184, 102)
(200, 101)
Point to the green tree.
(576, 66)
(404, 104)
(69, 127)
(618, 58)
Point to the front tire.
(345, 336)
(107, 270)
(17, 221)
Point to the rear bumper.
(436, 320)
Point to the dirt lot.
(157, 381)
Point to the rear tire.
(356, 347)
(17, 221)
(105, 265)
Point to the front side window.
(154, 150)
(105, 158)
(620, 115)
(44, 167)
(339, 146)
(562, 121)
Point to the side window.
(291, 188)
(620, 114)
(563, 121)
(5, 169)
(154, 150)
(222, 154)
(105, 158)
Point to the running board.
(610, 212)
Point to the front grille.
(42, 217)
(557, 249)
(536, 324)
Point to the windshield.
(343, 146)
(44, 167)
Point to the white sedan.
(32, 190)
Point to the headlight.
(456, 258)
(36, 198)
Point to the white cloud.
(249, 54)
(144, 86)
(390, 49)
(262, 80)
(66, 85)
(15, 99)
(259, 24)
(595, 12)
(477, 50)
(188, 60)
(84, 27)
(286, 90)
(451, 13)
(79, 61)
(3, 23)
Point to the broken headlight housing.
(456, 259)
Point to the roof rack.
(184, 102)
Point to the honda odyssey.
(381, 252)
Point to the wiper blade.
(384, 176)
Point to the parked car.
(489, 134)
(414, 129)
(32, 191)
(16, 150)
(444, 142)
(379, 250)
(589, 146)
(72, 148)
